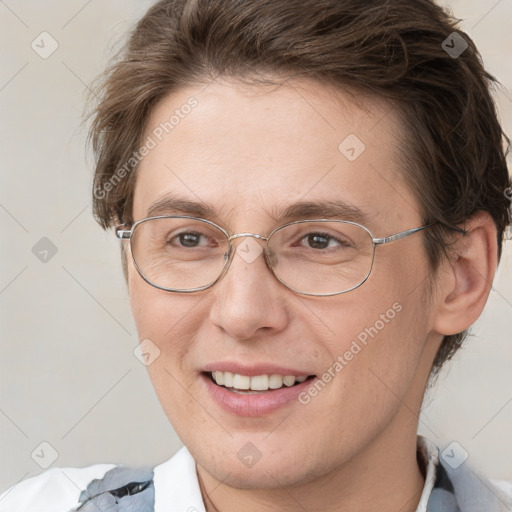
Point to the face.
(250, 151)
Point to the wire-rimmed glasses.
(322, 257)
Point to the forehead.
(253, 151)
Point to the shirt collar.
(428, 455)
(177, 486)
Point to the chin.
(283, 464)
(264, 477)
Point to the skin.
(246, 149)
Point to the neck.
(384, 477)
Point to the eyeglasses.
(323, 257)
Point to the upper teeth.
(257, 383)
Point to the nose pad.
(272, 258)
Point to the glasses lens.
(179, 253)
(321, 257)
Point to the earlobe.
(466, 281)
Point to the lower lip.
(253, 405)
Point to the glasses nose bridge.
(269, 257)
(254, 235)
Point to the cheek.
(167, 320)
(379, 332)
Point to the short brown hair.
(453, 153)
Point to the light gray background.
(68, 373)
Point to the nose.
(248, 299)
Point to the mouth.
(255, 385)
(254, 390)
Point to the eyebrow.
(328, 209)
(173, 204)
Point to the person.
(311, 201)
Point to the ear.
(466, 280)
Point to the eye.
(190, 239)
(320, 241)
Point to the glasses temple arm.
(403, 234)
(398, 236)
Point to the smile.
(251, 385)
(254, 395)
